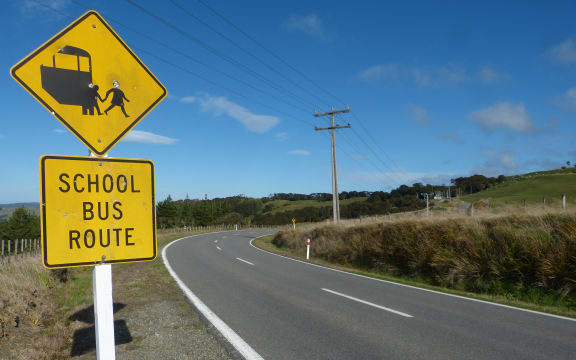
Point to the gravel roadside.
(153, 319)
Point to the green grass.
(286, 205)
(533, 188)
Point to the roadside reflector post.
(103, 312)
(294, 223)
(563, 201)
(308, 249)
(236, 227)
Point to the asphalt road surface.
(285, 309)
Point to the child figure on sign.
(118, 98)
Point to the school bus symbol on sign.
(96, 210)
(89, 79)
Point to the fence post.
(524, 203)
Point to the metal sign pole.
(103, 309)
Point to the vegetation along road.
(280, 308)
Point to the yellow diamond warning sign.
(96, 210)
(89, 79)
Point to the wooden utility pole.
(332, 128)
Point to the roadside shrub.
(530, 255)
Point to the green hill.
(6, 210)
(532, 187)
(275, 206)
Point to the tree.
(22, 225)
(167, 213)
(568, 163)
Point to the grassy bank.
(524, 260)
(47, 314)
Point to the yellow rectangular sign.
(96, 210)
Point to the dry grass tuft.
(529, 255)
(28, 312)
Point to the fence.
(12, 248)
(210, 228)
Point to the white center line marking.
(215, 241)
(367, 303)
(218, 247)
(247, 262)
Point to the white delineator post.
(308, 249)
(103, 309)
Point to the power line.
(219, 54)
(237, 28)
(226, 88)
(188, 71)
(271, 68)
(374, 140)
(279, 58)
(208, 66)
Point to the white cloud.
(188, 99)
(451, 138)
(568, 99)
(299, 152)
(44, 8)
(421, 76)
(145, 137)
(418, 114)
(503, 116)
(426, 76)
(219, 105)
(360, 156)
(380, 72)
(281, 136)
(310, 24)
(565, 52)
(391, 178)
(488, 75)
(498, 163)
(58, 131)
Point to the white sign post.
(308, 249)
(103, 312)
(103, 308)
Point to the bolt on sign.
(96, 210)
(89, 79)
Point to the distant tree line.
(21, 225)
(245, 210)
(476, 183)
(316, 196)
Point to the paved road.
(291, 310)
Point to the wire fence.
(211, 228)
(11, 249)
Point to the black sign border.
(43, 209)
(58, 36)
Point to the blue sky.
(436, 89)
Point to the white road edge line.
(218, 247)
(368, 303)
(247, 262)
(418, 288)
(239, 344)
